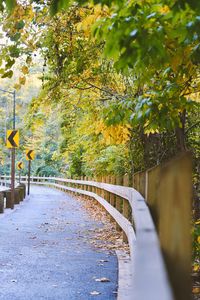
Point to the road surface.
(45, 251)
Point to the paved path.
(45, 251)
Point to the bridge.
(46, 237)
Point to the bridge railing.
(157, 229)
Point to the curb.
(125, 276)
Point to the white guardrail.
(150, 279)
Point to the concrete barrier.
(17, 196)
(9, 203)
(1, 202)
(23, 185)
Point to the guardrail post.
(105, 193)
(69, 183)
(102, 190)
(89, 186)
(76, 185)
(93, 187)
(85, 187)
(98, 190)
(112, 196)
(108, 180)
(126, 180)
(82, 186)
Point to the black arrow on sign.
(11, 138)
(29, 154)
(20, 165)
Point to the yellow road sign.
(12, 140)
(20, 165)
(30, 154)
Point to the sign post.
(19, 167)
(12, 142)
(12, 150)
(29, 156)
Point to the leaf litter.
(105, 237)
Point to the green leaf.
(8, 74)
(14, 51)
(57, 5)
(10, 4)
(15, 37)
(20, 24)
(9, 63)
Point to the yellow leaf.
(198, 239)
(17, 86)
(97, 9)
(79, 27)
(25, 70)
(196, 290)
(22, 80)
(196, 268)
(150, 130)
(164, 10)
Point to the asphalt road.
(45, 251)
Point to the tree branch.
(192, 126)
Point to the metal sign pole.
(13, 161)
(29, 175)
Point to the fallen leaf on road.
(103, 260)
(95, 293)
(103, 279)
